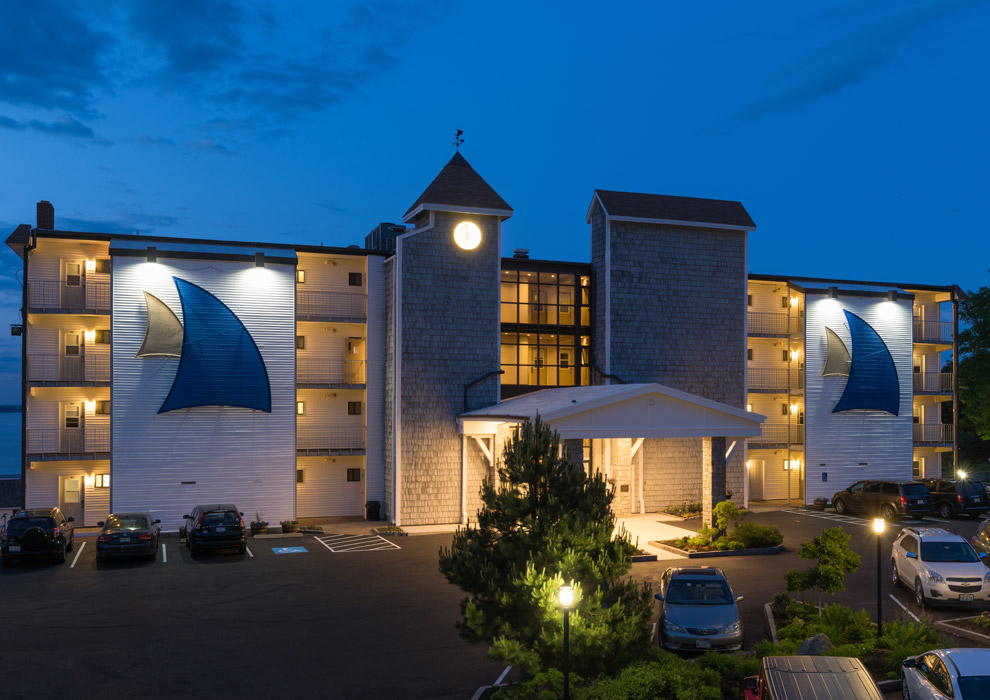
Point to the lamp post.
(566, 596)
(878, 526)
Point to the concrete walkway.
(649, 527)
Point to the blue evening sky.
(853, 132)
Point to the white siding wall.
(232, 454)
(328, 341)
(375, 372)
(329, 273)
(97, 500)
(47, 258)
(843, 442)
(326, 491)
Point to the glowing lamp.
(795, 464)
(795, 354)
(89, 480)
(961, 474)
(90, 336)
(878, 525)
(90, 406)
(794, 408)
(90, 265)
(794, 301)
(566, 596)
(467, 235)
(749, 407)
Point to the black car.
(884, 498)
(128, 535)
(215, 526)
(38, 532)
(958, 497)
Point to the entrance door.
(756, 467)
(71, 362)
(71, 497)
(71, 435)
(72, 291)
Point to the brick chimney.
(46, 215)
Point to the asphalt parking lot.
(366, 623)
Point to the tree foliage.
(974, 361)
(543, 524)
(835, 560)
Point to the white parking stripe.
(78, 552)
(250, 553)
(164, 556)
(904, 608)
(502, 677)
(355, 543)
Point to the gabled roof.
(459, 188)
(667, 209)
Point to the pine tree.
(545, 524)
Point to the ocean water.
(10, 444)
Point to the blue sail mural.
(872, 383)
(219, 364)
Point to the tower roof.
(459, 188)
(661, 208)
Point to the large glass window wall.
(546, 319)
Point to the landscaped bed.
(975, 628)
(745, 538)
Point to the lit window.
(103, 408)
(102, 481)
(103, 337)
(103, 266)
(300, 276)
(300, 408)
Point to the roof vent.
(46, 215)
(521, 253)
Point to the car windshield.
(915, 489)
(693, 592)
(18, 526)
(126, 523)
(227, 517)
(974, 687)
(970, 488)
(948, 551)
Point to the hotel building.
(304, 381)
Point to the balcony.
(937, 332)
(777, 434)
(774, 380)
(331, 306)
(318, 441)
(933, 382)
(773, 325)
(69, 370)
(935, 434)
(68, 443)
(329, 374)
(53, 296)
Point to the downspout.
(463, 479)
(24, 367)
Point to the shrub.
(755, 535)
(725, 513)
(905, 638)
(779, 604)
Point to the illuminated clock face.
(467, 235)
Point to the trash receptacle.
(374, 509)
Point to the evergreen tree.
(835, 560)
(545, 524)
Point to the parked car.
(940, 566)
(128, 535)
(215, 526)
(981, 540)
(698, 610)
(819, 677)
(947, 673)
(885, 498)
(38, 532)
(957, 497)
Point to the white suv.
(940, 566)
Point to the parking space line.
(355, 543)
(164, 556)
(250, 553)
(76, 558)
(502, 677)
(904, 608)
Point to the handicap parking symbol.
(288, 550)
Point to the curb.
(374, 531)
(771, 626)
(961, 631)
(636, 558)
(891, 686)
(727, 553)
(277, 536)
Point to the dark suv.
(39, 532)
(215, 526)
(957, 497)
(886, 498)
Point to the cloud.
(210, 146)
(127, 222)
(147, 140)
(52, 57)
(846, 60)
(63, 126)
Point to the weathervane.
(458, 140)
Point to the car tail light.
(145, 536)
(959, 497)
(903, 501)
(199, 522)
(104, 538)
(56, 532)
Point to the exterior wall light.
(90, 406)
(892, 295)
(89, 480)
(467, 235)
(259, 259)
(90, 336)
(795, 464)
(794, 301)
(795, 354)
(152, 254)
(794, 408)
(749, 407)
(833, 292)
(91, 265)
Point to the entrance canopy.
(617, 411)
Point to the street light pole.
(878, 527)
(566, 598)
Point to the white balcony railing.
(330, 305)
(934, 434)
(319, 438)
(67, 441)
(59, 296)
(774, 379)
(932, 331)
(933, 382)
(779, 434)
(69, 368)
(317, 371)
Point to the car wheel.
(60, 557)
(894, 576)
(905, 693)
(919, 593)
(888, 512)
(840, 506)
(944, 510)
(193, 550)
(5, 561)
(242, 550)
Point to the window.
(300, 342)
(749, 353)
(749, 300)
(565, 359)
(103, 408)
(784, 355)
(872, 487)
(102, 481)
(300, 408)
(73, 274)
(916, 469)
(300, 276)
(354, 408)
(72, 416)
(783, 302)
(72, 344)
(354, 279)
(783, 409)
(801, 418)
(857, 487)
(300, 476)
(103, 337)
(103, 267)
(354, 475)
(890, 489)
